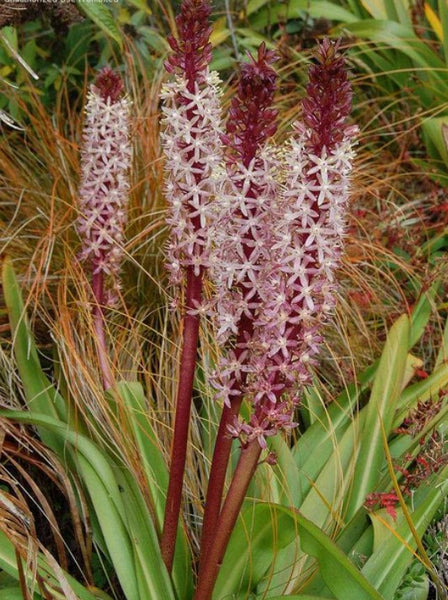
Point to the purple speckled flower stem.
(100, 333)
(181, 424)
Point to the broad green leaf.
(15, 593)
(442, 355)
(375, 8)
(434, 21)
(421, 392)
(318, 443)
(139, 416)
(285, 471)
(386, 391)
(254, 5)
(402, 38)
(433, 130)
(421, 313)
(295, 597)
(321, 504)
(102, 16)
(154, 39)
(156, 474)
(312, 406)
(152, 577)
(395, 10)
(259, 536)
(339, 573)
(9, 37)
(443, 14)
(261, 531)
(105, 498)
(141, 5)
(220, 32)
(298, 9)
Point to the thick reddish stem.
(100, 334)
(182, 418)
(244, 472)
(220, 461)
(221, 453)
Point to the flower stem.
(217, 477)
(221, 452)
(244, 472)
(100, 334)
(182, 418)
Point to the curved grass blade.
(41, 395)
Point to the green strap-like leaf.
(156, 473)
(296, 597)
(294, 9)
(262, 531)
(339, 573)
(386, 391)
(100, 480)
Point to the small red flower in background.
(386, 500)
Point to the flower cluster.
(266, 223)
(243, 223)
(105, 161)
(279, 245)
(191, 141)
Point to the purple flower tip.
(192, 51)
(251, 119)
(329, 92)
(108, 84)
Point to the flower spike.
(103, 195)
(105, 161)
(192, 145)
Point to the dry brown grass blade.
(32, 474)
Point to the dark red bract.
(109, 84)
(192, 52)
(329, 98)
(251, 119)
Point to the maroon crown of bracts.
(192, 51)
(251, 119)
(329, 98)
(108, 84)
